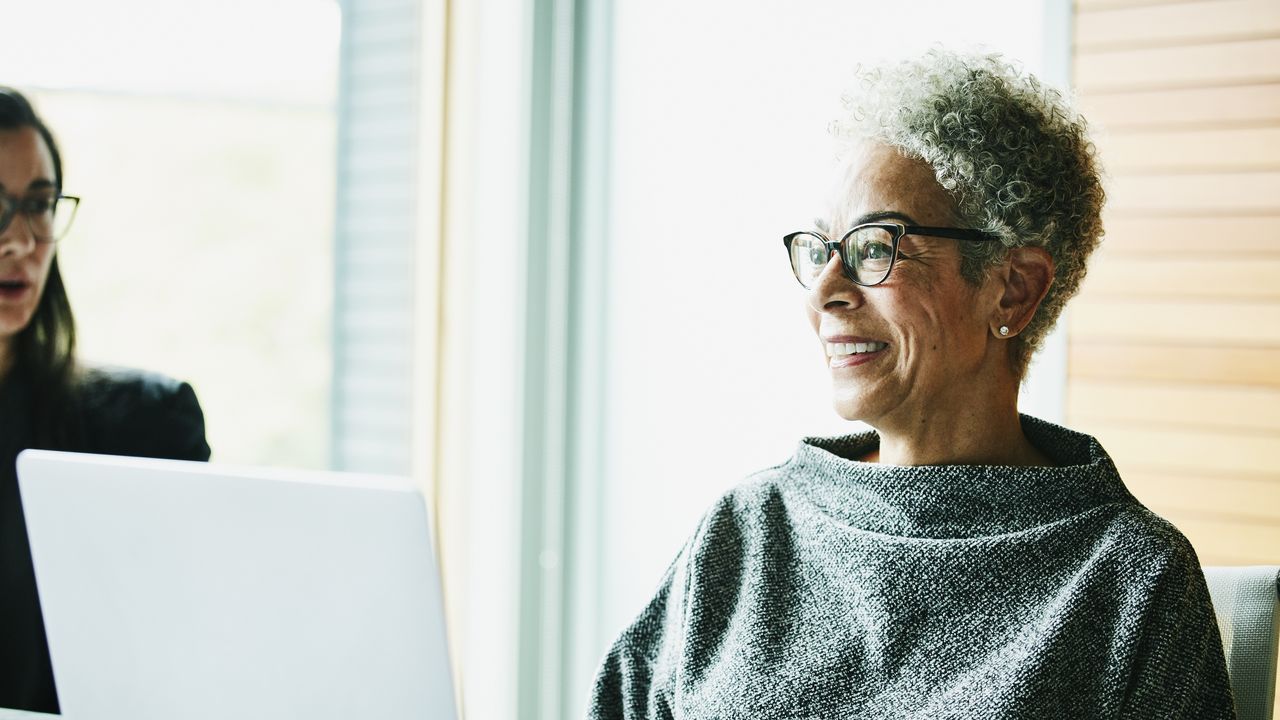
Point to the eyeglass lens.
(48, 217)
(867, 255)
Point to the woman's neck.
(982, 429)
(6, 357)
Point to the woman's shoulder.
(762, 496)
(106, 384)
(1146, 540)
(135, 412)
(113, 393)
(752, 511)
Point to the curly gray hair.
(1014, 157)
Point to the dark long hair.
(44, 351)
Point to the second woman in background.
(47, 400)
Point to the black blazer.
(121, 412)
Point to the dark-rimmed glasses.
(48, 217)
(867, 252)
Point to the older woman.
(962, 560)
(46, 399)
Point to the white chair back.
(1245, 599)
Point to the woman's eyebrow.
(885, 215)
(38, 184)
(821, 224)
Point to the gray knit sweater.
(831, 588)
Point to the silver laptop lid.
(186, 590)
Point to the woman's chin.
(854, 406)
(13, 320)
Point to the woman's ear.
(1026, 282)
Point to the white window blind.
(374, 236)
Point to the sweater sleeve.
(637, 678)
(1180, 672)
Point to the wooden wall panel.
(1147, 235)
(1189, 322)
(1257, 499)
(1217, 150)
(1187, 450)
(1212, 107)
(1198, 273)
(1195, 193)
(1177, 23)
(1086, 6)
(1174, 342)
(1226, 541)
(1121, 360)
(1176, 405)
(1231, 63)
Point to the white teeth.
(834, 349)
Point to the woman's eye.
(37, 206)
(876, 251)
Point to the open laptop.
(187, 590)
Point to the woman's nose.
(833, 288)
(17, 238)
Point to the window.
(203, 147)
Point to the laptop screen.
(177, 589)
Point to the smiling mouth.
(840, 350)
(848, 355)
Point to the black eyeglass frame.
(17, 205)
(896, 231)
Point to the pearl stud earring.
(1004, 330)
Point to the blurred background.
(527, 251)
(201, 136)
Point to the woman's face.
(926, 327)
(26, 170)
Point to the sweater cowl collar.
(956, 501)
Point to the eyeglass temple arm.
(953, 233)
